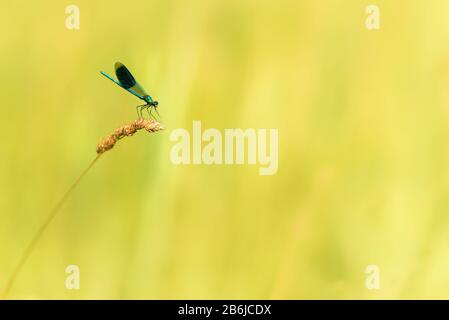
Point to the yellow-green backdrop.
(363, 120)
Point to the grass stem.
(44, 226)
(103, 146)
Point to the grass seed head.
(127, 130)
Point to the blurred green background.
(363, 159)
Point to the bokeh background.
(363, 119)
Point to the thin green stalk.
(103, 146)
(42, 229)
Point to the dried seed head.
(127, 130)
